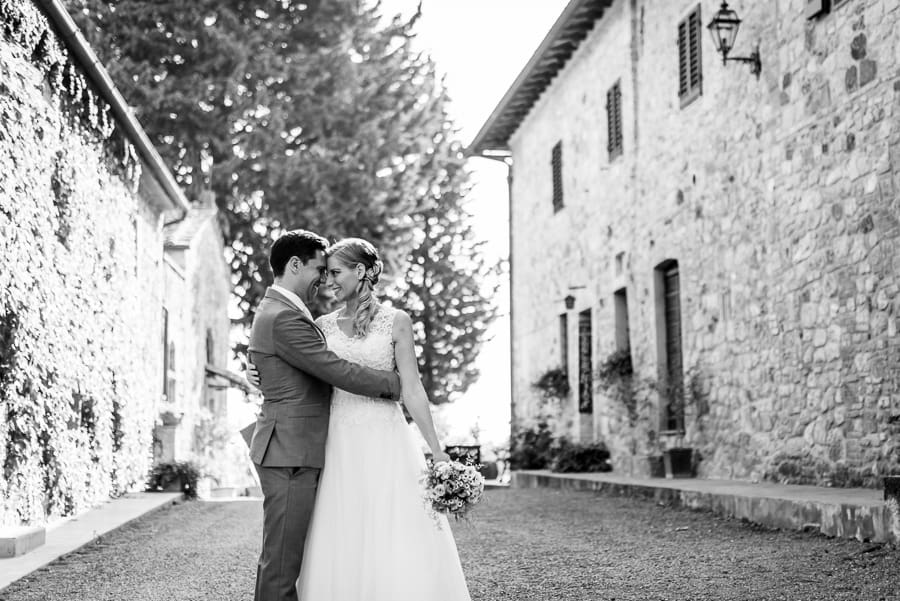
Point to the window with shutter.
(556, 163)
(674, 415)
(564, 341)
(614, 120)
(585, 364)
(690, 62)
(623, 330)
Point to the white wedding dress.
(371, 537)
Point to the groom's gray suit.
(296, 372)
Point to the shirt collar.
(292, 297)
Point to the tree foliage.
(314, 114)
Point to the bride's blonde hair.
(353, 251)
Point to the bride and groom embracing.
(343, 513)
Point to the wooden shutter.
(556, 163)
(614, 120)
(585, 363)
(564, 342)
(694, 44)
(690, 61)
(674, 362)
(683, 58)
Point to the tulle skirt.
(371, 537)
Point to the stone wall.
(779, 199)
(80, 302)
(198, 296)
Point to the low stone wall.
(864, 520)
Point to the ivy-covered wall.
(80, 287)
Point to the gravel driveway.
(521, 545)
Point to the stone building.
(86, 277)
(195, 333)
(736, 237)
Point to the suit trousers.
(289, 494)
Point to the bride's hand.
(253, 375)
(439, 457)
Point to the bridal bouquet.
(452, 488)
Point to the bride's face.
(342, 279)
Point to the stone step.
(856, 513)
(19, 540)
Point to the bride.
(371, 537)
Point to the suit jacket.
(297, 372)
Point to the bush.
(164, 475)
(531, 449)
(615, 367)
(571, 457)
(489, 470)
(553, 384)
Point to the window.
(817, 8)
(614, 120)
(165, 350)
(669, 344)
(690, 65)
(556, 163)
(210, 348)
(564, 341)
(170, 373)
(623, 331)
(585, 364)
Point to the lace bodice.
(375, 350)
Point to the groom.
(296, 372)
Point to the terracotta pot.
(657, 466)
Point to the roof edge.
(479, 145)
(96, 72)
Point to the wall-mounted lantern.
(724, 29)
(570, 302)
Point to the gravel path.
(521, 545)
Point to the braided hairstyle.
(352, 252)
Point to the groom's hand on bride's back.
(253, 375)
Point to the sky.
(481, 46)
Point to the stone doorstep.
(828, 511)
(19, 540)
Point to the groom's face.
(312, 274)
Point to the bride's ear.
(360, 271)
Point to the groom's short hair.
(296, 243)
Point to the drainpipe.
(97, 74)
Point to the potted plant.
(655, 465)
(174, 476)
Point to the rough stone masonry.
(779, 199)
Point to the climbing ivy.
(24, 25)
(80, 367)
